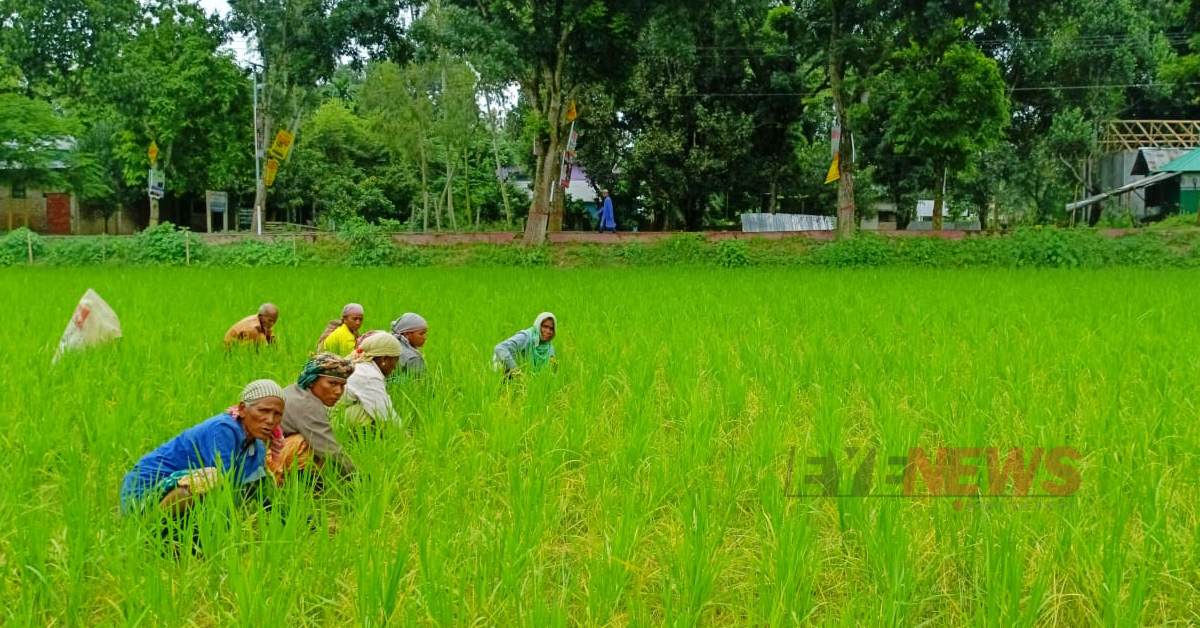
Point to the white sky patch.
(236, 43)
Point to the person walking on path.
(607, 221)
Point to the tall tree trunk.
(424, 190)
(467, 185)
(260, 188)
(544, 214)
(450, 193)
(837, 85)
(939, 194)
(496, 155)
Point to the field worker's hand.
(200, 481)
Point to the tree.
(553, 50)
(945, 111)
(57, 43)
(298, 43)
(31, 142)
(399, 107)
(170, 85)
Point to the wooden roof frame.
(1121, 135)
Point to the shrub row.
(361, 244)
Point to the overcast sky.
(237, 43)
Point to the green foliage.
(733, 254)
(863, 249)
(251, 253)
(165, 244)
(15, 246)
(90, 251)
(202, 127)
(31, 136)
(370, 245)
(359, 243)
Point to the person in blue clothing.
(607, 221)
(229, 445)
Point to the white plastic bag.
(93, 323)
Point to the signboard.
(156, 183)
(218, 202)
(269, 172)
(152, 153)
(282, 145)
(924, 209)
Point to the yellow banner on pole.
(571, 112)
(152, 152)
(282, 145)
(835, 172)
(270, 171)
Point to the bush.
(14, 247)
(683, 248)
(863, 249)
(88, 251)
(165, 244)
(733, 254)
(370, 245)
(255, 253)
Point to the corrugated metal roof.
(1186, 163)
(1152, 159)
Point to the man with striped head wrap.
(308, 435)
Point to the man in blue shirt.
(607, 221)
(231, 444)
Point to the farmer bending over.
(534, 346)
(230, 444)
(341, 335)
(411, 330)
(308, 438)
(367, 397)
(256, 328)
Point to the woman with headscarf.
(367, 399)
(307, 434)
(411, 330)
(341, 336)
(534, 346)
(230, 444)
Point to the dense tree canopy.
(447, 114)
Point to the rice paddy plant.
(660, 476)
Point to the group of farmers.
(273, 431)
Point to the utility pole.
(260, 196)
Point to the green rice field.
(659, 477)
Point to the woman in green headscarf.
(534, 345)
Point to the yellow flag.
(834, 172)
(269, 172)
(282, 145)
(571, 113)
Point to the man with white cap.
(230, 445)
(341, 336)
